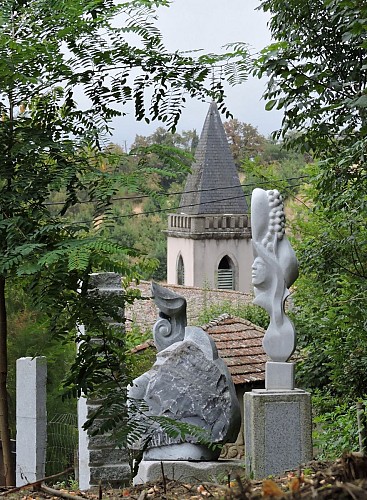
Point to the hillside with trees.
(140, 221)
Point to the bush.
(335, 426)
(252, 313)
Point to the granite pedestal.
(277, 431)
(187, 471)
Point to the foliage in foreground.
(29, 337)
(317, 69)
(330, 298)
(50, 52)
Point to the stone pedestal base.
(277, 431)
(279, 376)
(181, 451)
(186, 471)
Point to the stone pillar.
(99, 460)
(277, 431)
(31, 419)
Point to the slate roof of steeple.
(213, 187)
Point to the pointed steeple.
(209, 240)
(213, 187)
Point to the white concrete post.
(83, 449)
(83, 439)
(31, 419)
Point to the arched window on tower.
(226, 274)
(180, 271)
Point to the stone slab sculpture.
(188, 383)
(274, 270)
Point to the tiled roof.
(239, 344)
(145, 345)
(213, 187)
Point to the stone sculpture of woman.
(274, 270)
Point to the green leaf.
(270, 104)
(361, 102)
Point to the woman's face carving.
(258, 271)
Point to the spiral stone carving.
(162, 333)
(162, 328)
(170, 327)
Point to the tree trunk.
(9, 472)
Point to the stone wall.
(100, 462)
(143, 313)
(108, 464)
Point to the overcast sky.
(208, 25)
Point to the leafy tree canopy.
(317, 69)
(330, 297)
(317, 75)
(49, 54)
(244, 140)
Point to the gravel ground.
(344, 479)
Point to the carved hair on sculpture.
(274, 270)
(170, 327)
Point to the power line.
(216, 201)
(163, 193)
(162, 210)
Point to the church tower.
(209, 239)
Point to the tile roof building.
(239, 344)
